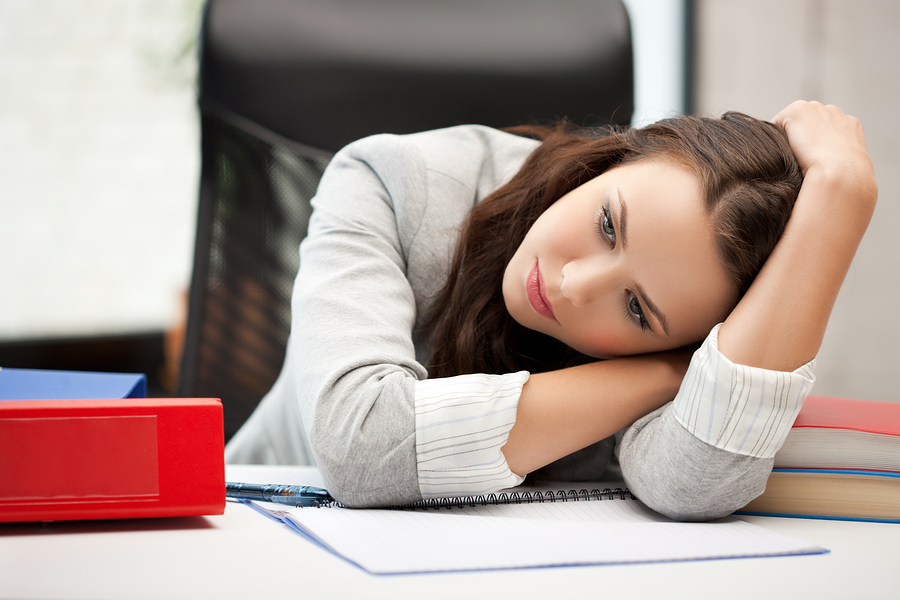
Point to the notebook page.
(606, 532)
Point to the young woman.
(507, 267)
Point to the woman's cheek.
(605, 342)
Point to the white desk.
(242, 554)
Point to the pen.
(292, 495)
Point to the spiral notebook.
(537, 527)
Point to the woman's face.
(624, 264)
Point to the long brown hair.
(749, 177)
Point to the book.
(842, 494)
(840, 433)
(111, 458)
(549, 525)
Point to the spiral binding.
(537, 497)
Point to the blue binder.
(39, 384)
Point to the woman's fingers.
(822, 137)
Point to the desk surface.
(242, 554)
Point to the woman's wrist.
(846, 192)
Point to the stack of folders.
(81, 445)
(841, 460)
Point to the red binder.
(111, 459)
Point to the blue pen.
(292, 495)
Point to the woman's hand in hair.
(826, 141)
(780, 322)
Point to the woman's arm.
(563, 411)
(792, 297)
(382, 433)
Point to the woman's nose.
(582, 280)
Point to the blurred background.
(99, 162)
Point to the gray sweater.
(380, 241)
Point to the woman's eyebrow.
(623, 218)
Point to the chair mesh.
(254, 210)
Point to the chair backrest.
(286, 83)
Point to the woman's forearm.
(563, 411)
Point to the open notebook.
(612, 528)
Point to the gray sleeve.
(682, 477)
(353, 313)
(380, 238)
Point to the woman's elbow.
(365, 471)
(684, 478)
(706, 501)
(693, 491)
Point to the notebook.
(550, 526)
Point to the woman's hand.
(780, 322)
(824, 139)
(838, 174)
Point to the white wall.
(99, 164)
(757, 57)
(657, 30)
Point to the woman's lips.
(537, 296)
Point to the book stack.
(841, 460)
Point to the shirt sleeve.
(740, 409)
(461, 425)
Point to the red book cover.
(842, 413)
(110, 459)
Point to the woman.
(631, 249)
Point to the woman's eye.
(634, 307)
(605, 225)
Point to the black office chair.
(286, 83)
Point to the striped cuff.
(461, 425)
(744, 410)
